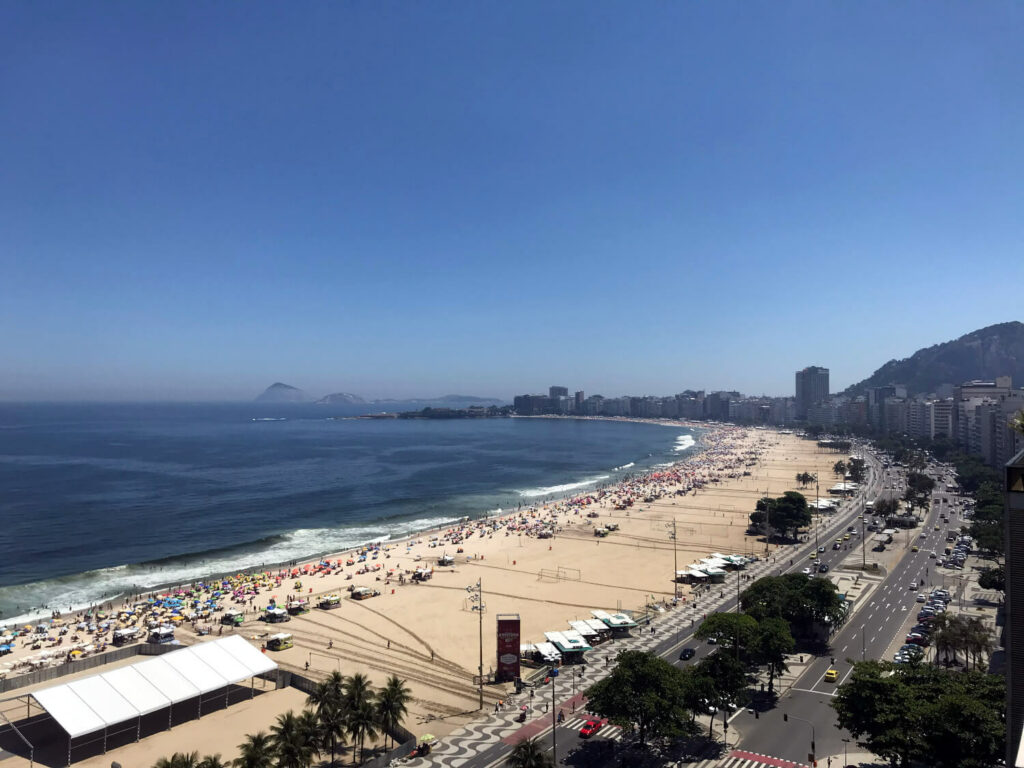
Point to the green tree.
(736, 630)
(179, 760)
(771, 644)
(212, 761)
(839, 469)
(643, 692)
(362, 724)
(291, 742)
(921, 714)
(993, 578)
(528, 753)
(887, 507)
(857, 469)
(392, 703)
(919, 491)
(877, 710)
(802, 602)
(729, 681)
(328, 701)
(257, 751)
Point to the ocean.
(99, 500)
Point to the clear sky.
(399, 199)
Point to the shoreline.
(34, 615)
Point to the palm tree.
(362, 724)
(839, 469)
(329, 692)
(291, 743)
(332, 720)
(179, 760)
(528, 754)
(977, 638)
(357, 691)
(257, 752)
(212, 761)
(309, 726)
(392, 701)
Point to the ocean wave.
(551, 490)
(625, 466)
(684, 442)
(269, 418)
(79, 591)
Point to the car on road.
(686, 654)
(923, 535)
(823, 568)
(846, 537)
(832, 675)
(921, 598)
(712, 640)
(936, 528)
(821, 549)
(806, 571)
(932, 555)
(590, 728)
(926, 615)
(837, 545)
(915, 548)
(917, 639)
(913, 585)
(814, 555)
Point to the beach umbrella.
(427, 737)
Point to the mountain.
(984, 354)
(342, 398)
(282, 393)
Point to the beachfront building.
(811, 388)
(618, 623)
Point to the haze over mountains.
(997, 350)
(285, 393)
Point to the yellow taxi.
(846, 537)
(936, 527)
(839, 540)
(914, 548)
(832, 675)
(814, 555)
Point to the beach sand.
(427, 634)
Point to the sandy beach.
(427, 634)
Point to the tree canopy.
(787, 513)
(795, 598)
(643, 692)
(919, 713)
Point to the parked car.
(686, 654)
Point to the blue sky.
(198, 199)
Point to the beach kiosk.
(591, 635)
(161, 634)
(125, 635)
(570, 645)
(279, 642)
(618, 623)
(297, 607)
(275, 615)
(547, 653)
(363, 593)
(329, 602)
(445, 560)
(232, 618)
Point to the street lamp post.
(846, 753)
(478, 598)
(863, 643)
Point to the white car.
(807, 571)
(913, 585)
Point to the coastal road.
(875, 631)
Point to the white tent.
(97, 702)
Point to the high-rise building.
(580, 397)
(556, 392)
(811, 388)
(1013, 606)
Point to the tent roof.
(96, 702)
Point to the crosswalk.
(739, 759)
(608, 731)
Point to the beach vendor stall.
(618, 623)
(125, 635)
(232, 618)
(329, 602)
(297, 607)
(279, 642)
(570, 645)
(275, 615)
(161, 634)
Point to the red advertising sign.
(508, 647)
